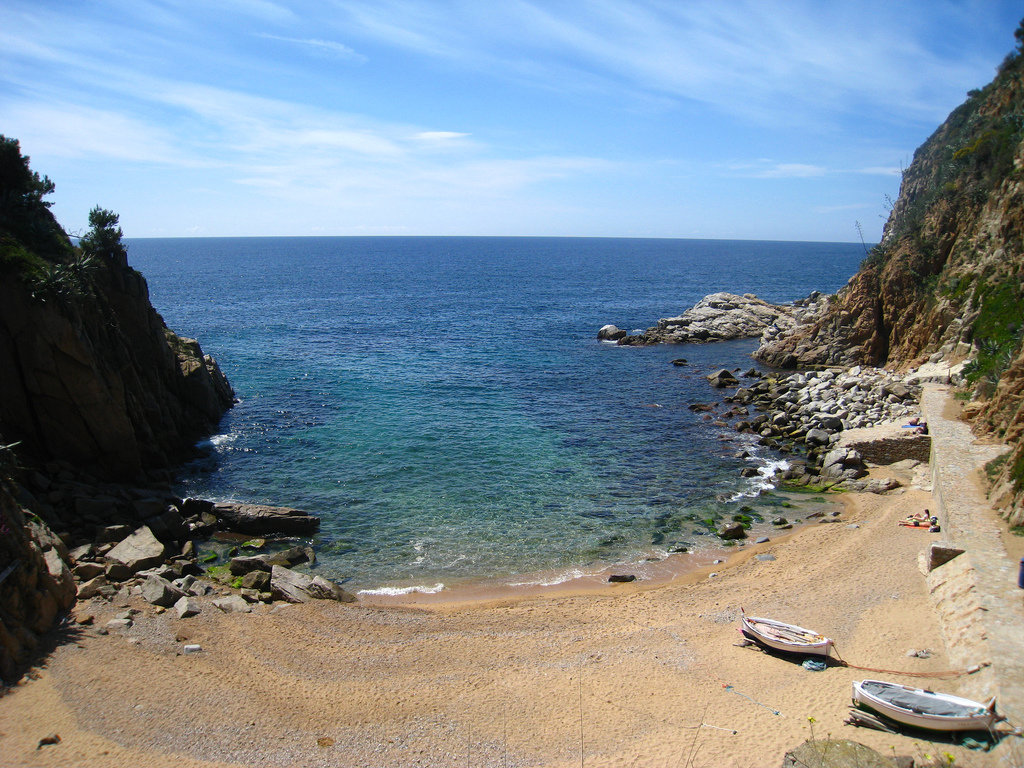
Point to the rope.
(840, 662)
(837, 661)
(733, 690)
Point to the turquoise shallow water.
(444, 405)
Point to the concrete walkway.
(981, 609)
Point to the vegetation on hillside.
(33, 246)
(940, 249)
(967, 158)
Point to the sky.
(731, 119)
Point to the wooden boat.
(787, 638)
(924, 709)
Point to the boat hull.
(919, 708)
(786, 638)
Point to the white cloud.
(763, 60)
(882, 170)
(792, 171)
(329, 47)
(440, 136)
(75, 131)
(766, 169)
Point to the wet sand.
(623, 675)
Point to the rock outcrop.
(98, 380)
(806, 414)
(722, 317)
(946, 284)
(36, 585)
(95, 391)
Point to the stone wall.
(889, 450)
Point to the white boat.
(924, 709)
(787, 638)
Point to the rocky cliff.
(946, 283)
(89, 372)
(97, 378)
(93, 388)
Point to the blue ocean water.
(445, 406)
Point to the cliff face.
(89, 373)
(93, 387)
(947, 280)
(97, 379)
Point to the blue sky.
(784, 120)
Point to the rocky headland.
(722, 317)
(99, 401)
(938, 299)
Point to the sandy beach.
(623, 676)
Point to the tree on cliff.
(25, 218)
(104, 237)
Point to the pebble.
(191, 648)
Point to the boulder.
(86, 571)
(723, 378)
(117, 571)
(882, 485)
(159, 591)
(260, 520)
(259, 580)
(324, 589)
(92, 588)
(240, 566)
(168, 525)
(732, 531)
(817, 437)
(897, 390)
(187, 606)
(287, 558)
(299, 588)
(831, 423)
(610, 333)
(718, 317)
(233, 604)
(141, 550)
(838, 753)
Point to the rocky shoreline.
(70, 537)
(804, 414)
(726, 316)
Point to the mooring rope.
(839, 661)
(733, 690)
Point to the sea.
(444, 404)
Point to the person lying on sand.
(921, 519)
